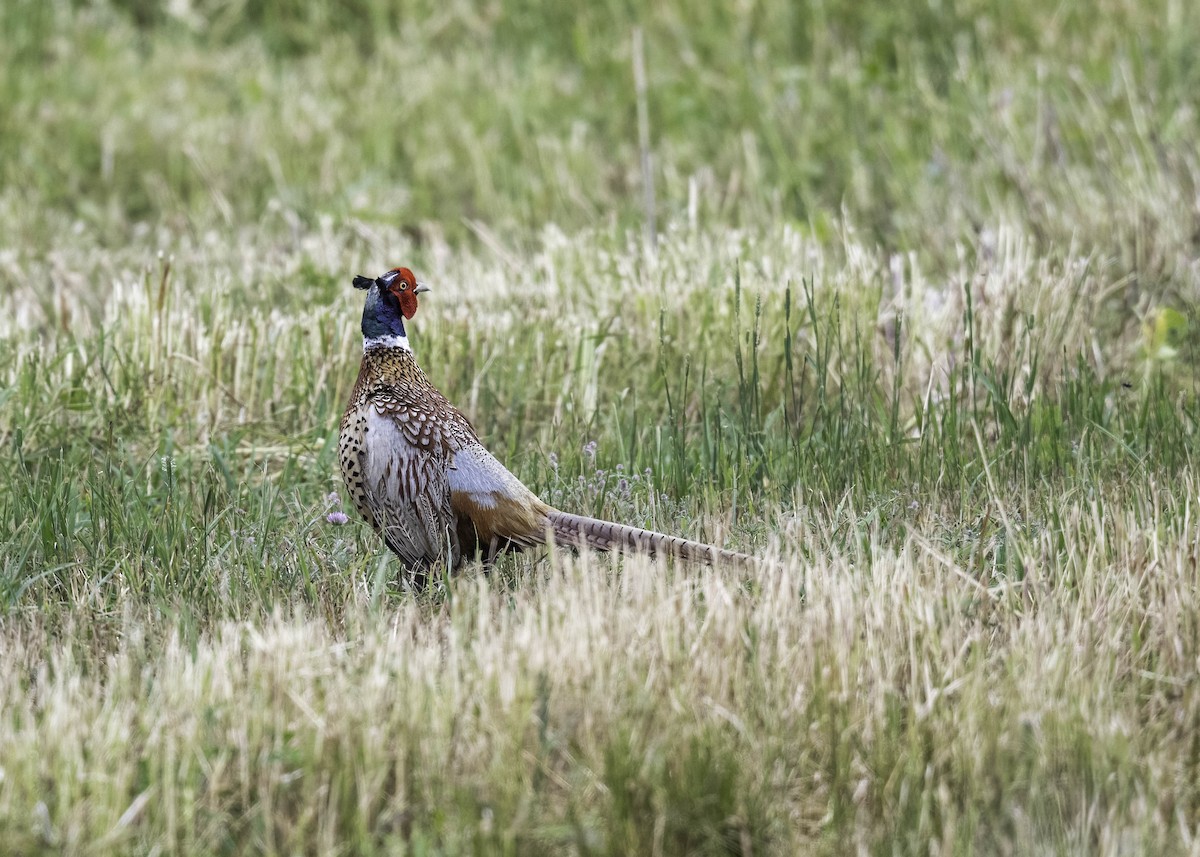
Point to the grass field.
(920, 323)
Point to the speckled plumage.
(418, 474)
(403, 447)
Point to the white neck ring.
(390, 341)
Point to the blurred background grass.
(923, 123)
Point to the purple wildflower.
(338, 518)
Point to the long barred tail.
(577, 531)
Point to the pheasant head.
(391, 299)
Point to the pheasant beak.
(421, 289)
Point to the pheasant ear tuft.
(361, 282)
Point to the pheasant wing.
(499, 507)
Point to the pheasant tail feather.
(578, 531)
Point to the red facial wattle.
(408, 303)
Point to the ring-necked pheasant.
(419, 475)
